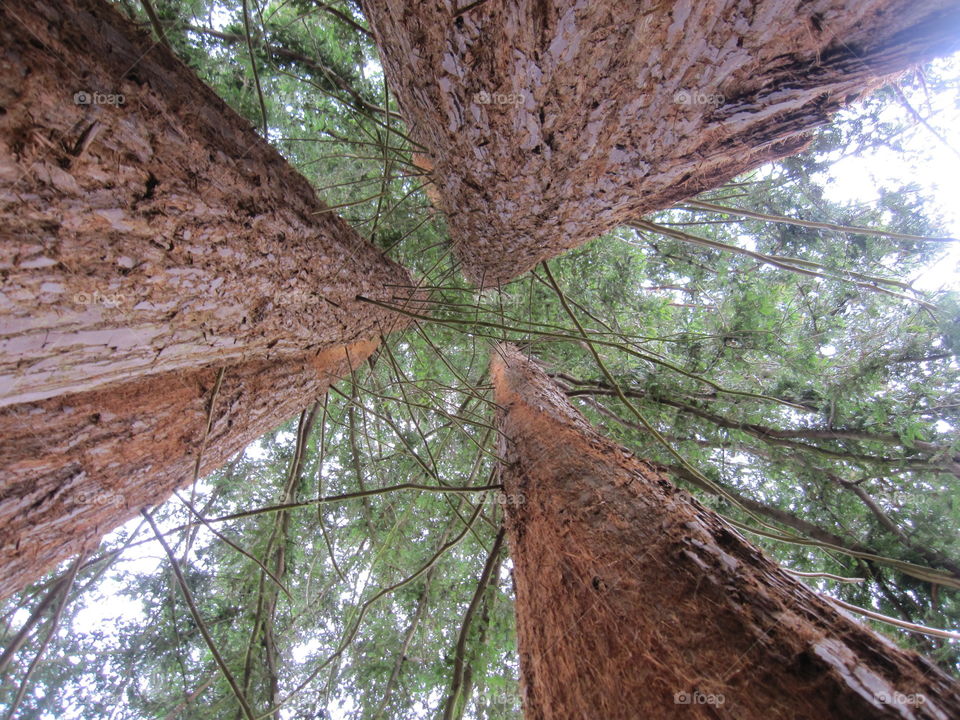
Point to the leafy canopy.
(800, 386)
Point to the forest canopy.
(767, 344)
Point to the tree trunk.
(635, 601)
(550, 122)
(155, 234)
(76, 466)
(149, 241)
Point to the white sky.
(927, 162)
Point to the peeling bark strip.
(146, 228)
(635, 601)
(77, 466)
(553, 121)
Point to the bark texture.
(76, 466)
(148, 239)
(635, 601)
(550, 122)
(155, 234)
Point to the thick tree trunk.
(76, 466)
(148, 242)
(550, 122)
(635, 601)
(155, 234)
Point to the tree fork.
(633, 600)
(550, 122)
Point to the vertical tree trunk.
(634, 601)
(550, 122)
(150, 239)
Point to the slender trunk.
(634, 601)
(549, 122)
(281, 544)
(149, 241)
(418, 613)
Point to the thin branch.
(206, 432)
(775, 437)
(920, 119)
(54, 624)
(453, 700)
(223, 538)
(797, 265)
(366, 606)
(253, 65)
(308, 62)
(740, 212)
(189, 698)
(323, 526)
(401, 656)
(343, 17)
(155, 22)
(818, 536)
(828, 576)
(467, 8)
(454, 322)
(702, 481)
(353, 495)
(187, 595)
(912, 627)
(931, 556)
(20, 638)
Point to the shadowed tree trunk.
(150, 239)
(635, 601)
(550, 122)
(76, 466)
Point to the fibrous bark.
(148, 240)
(76, 466)
(156, 233)
(635, 601)
(549, 122)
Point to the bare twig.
(253, 65)
(155, 22)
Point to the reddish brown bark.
(550, 122)
(146, 244)
(76, 466)
(635, 601)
